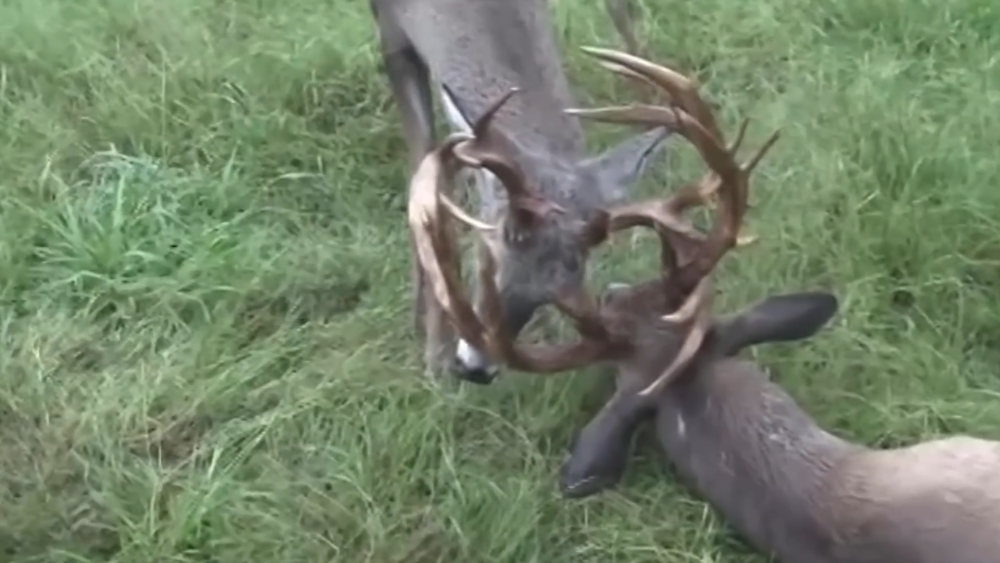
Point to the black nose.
(478, 375)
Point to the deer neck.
(755, 455)
(476, 51)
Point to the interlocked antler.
(688, 256)
(437, 252)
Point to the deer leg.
(624, 14)
(439, 346)
(409, 81)
(410, 84)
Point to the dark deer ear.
(779, 318)
(595, 229)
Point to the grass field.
(205, 346)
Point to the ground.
(206, 351)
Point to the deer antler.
(435, 245)
(430, 187)
(481, 151)
(438, 256)
(688, 256)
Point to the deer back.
(932, 501)
(478, 50)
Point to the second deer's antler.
(688, 256)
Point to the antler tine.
(635, 77)
(682, 90)
(754, 160)
(482, 125)
(697, 311)
(438, 254)
(435, 245)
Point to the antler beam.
(692, 256)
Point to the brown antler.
(435, 245)
(691, 256)
(437, 252)
(481, 150)
(438, 256)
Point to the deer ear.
(779, 318)
(617, 169)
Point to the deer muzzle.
(474, 365)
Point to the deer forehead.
(548, 263)
(575, 188)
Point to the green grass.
(205, 346)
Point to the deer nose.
(469, 365)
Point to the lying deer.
(794, 490)
(474, 51)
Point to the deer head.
(654, 332)
(541, 227)
(677, 301)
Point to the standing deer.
(794, 490)
(474, 50)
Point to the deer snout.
(474, 365)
